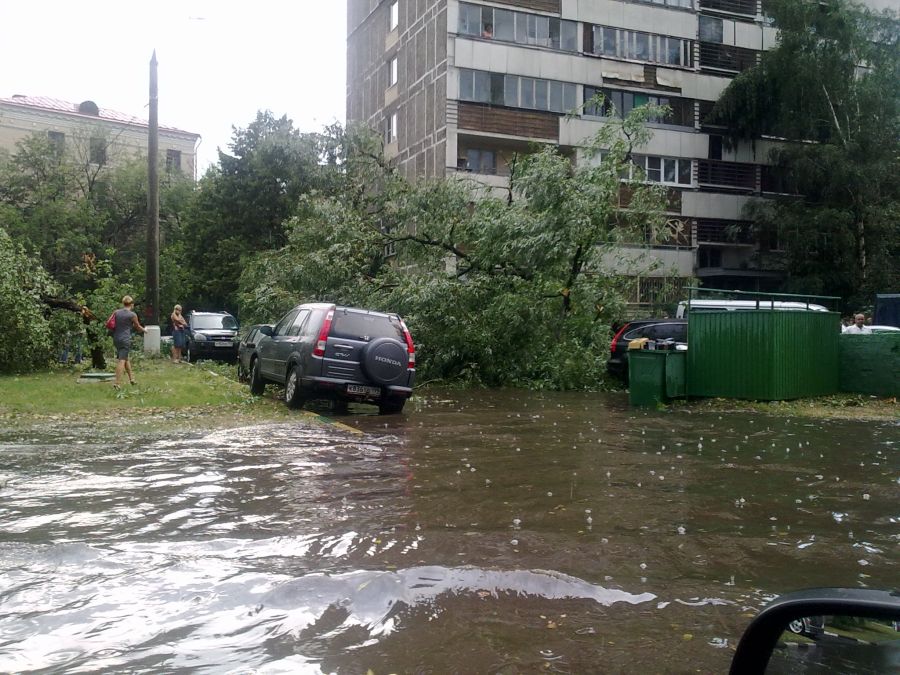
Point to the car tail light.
(323, 334)
(410, 347)
(615, 340)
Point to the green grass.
(204, 395)
(160, 383)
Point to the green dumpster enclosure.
(655, 376)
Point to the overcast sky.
(219, 60)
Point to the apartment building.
(91, 133)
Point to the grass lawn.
(838, 406)
(205, 395)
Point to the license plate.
(360, 389)
(222, 344)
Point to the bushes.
(26, 340)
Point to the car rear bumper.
(337, 388)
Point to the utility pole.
(151, 311)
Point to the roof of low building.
(83, 109)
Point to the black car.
(654, 329)
(211, 335)
(344, 354)
(246, 350)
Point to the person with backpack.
(125, 322)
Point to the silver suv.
(320, 350)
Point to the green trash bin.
(647, 377)
(676, 381)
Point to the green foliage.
(243, 203)
(497, 290)
(26, 339)
(833, 79)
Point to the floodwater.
(480, 532)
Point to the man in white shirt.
(858, 326)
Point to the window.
(652, 169)
(516, 92)
(620, 103)
(98, 151)
(57, 141)
(392, 67)
(649, 47)
(510, 26)
(390, 131)
(302, 316)
(480, 161)
(285, 323)
(395, 15)
(711, 29)
(173, 160)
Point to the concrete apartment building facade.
(461, 86)
(91, 133)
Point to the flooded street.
(480, 532)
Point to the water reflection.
(480, 532)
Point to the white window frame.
(393, 71)
(394, 15)
(392, 128)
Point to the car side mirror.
(841, 630)
(266, 330)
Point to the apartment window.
(390, 131)
(98, 150)
(516, 92)
(519, 27)
(393, 71)
(478, 161)
(57, 141)
(639, 46)
(653, 169)
(619, 103)
(395, 15)
(711, 29)
(173, 160)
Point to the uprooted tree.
(512, 289)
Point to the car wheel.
(391, 407)
(257, 384)
(293, 392)
(797, 626)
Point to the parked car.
(884, 329)
(246, 350)
(345, 354)
(707, 305)
(654, 329)
(211, 335)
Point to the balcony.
(728, 232)
(744, 7)
(730, 175)
(726, 57)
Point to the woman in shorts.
(126, 323)
(178, 326)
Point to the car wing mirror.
(840, 630)
(266, 330)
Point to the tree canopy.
(831, 90)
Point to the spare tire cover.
(385, 361)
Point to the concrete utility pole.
(152, 309)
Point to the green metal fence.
(870, 364)
(765, 355)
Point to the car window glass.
(679, 331)
(302, 316)
(359, 326)
(286, 322)
(213, 322)
(635, 333)
(311, 329)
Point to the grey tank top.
(123, 325)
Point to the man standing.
(126, 322)
(858, 327)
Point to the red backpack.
(111, 323)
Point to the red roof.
(55, 104)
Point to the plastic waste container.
(647, 377)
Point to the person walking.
(858, 326)
(126, 322)
(178, 325)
